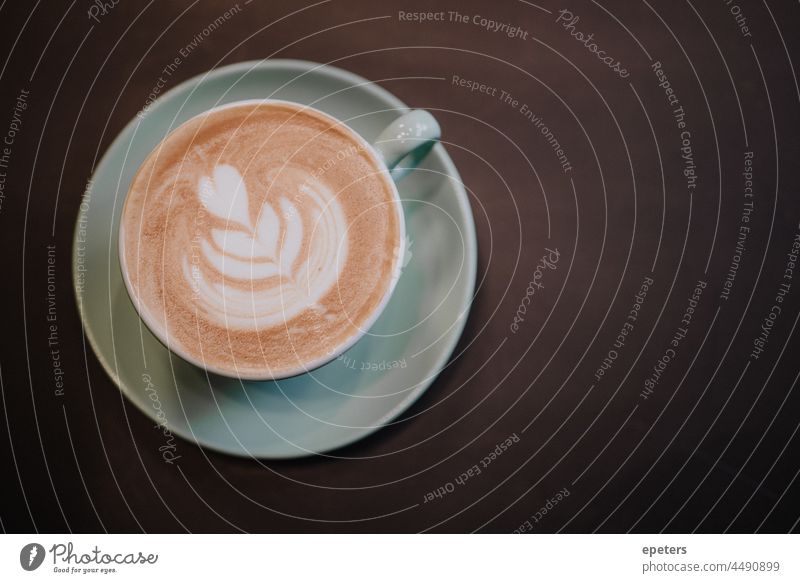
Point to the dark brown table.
(659, 156)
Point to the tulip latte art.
(244, 255)
(259, 237)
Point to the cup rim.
(145, 316)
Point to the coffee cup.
(262, 239)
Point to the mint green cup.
(398, 149)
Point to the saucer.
(332, 406)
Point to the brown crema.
(259, 238)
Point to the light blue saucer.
(337, 404)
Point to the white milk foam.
(265, 281)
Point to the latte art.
(253, 275)
(260, 237)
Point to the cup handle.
(407, 139)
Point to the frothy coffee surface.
(260, 237)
